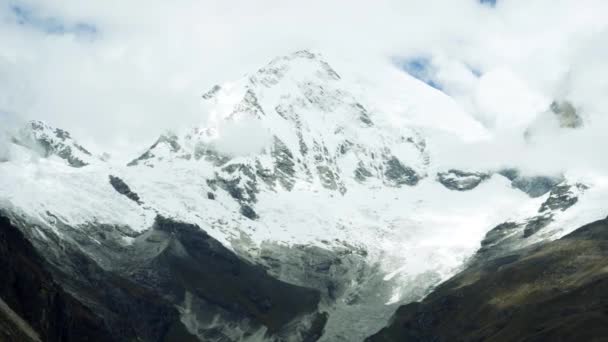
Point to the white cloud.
(144, 70)
(4, 151)
(8, 126)
(505, 102)
(242, 137)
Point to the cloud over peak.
(142, 65)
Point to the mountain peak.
(316, 129)
(304, 56)
(298, 65)
(47, 140)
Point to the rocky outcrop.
(249, 105)
(461, 180)
(172, 283)
(128, 310)
(510, 235)
(48, 141)
(182, 262)
(362, 173)
(535, 224)
(165, 141)
(33, 307)
(397, 174)
(566, 114)
(554, 292)
(284, 164)
(240, 181)
(211, 93)
(535, 186)
(348, 281)
(562, 197)
(122, 188)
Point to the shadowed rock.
(554, 292)
(33, 307)
(461, 180)
(47, 141)
(562, 197)
(170, 140)
(181, 261)
(144, 290)
(398, 174)
(535, 186)
(122, 188)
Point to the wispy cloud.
(488, 2)
(27, 16)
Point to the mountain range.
(306, 206)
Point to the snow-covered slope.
(294, 155)
(48, 141)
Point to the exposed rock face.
(398, 174)
(347, 281)
(122, 188)
(211, 93)
(362, 173)
(534, 224)
(510, 235)
(496, 235)
(164, 142)
(129, 311)
(562, 197)
(33, 307)
(561, 115)
(566, 114)
(196, 272)
(47, 141)
(130, 292)
(461, 180)
(535, 186)
(248, 212)
(553, 292)
(317, 127)
(284, 164)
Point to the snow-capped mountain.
(49, 141)
(300, 182)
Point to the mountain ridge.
(330, 199)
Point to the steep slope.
(552, 292)
(48, 141)
(33, 307)
(316, 129)
(212, 285)
(171, 278)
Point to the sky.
(118, 73)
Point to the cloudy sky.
(117, 73)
